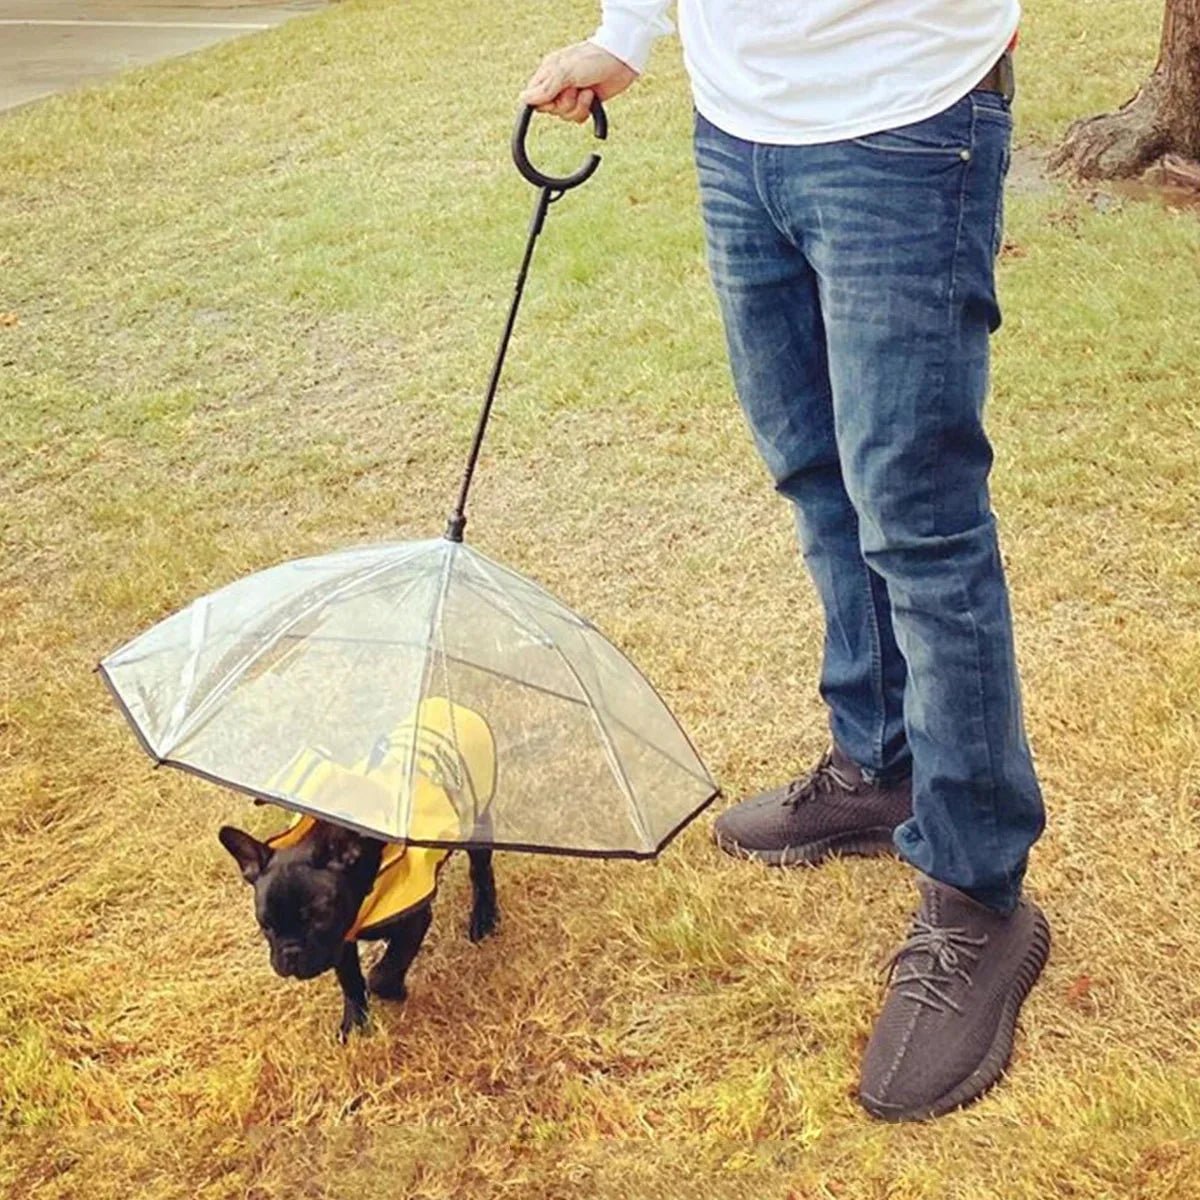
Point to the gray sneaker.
(956, 986)
(831, 810)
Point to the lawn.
(251, 299)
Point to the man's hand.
(568, 80)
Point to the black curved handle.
(536, 177)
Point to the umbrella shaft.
(458, 518)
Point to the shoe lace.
(823, 779)
(951, 953)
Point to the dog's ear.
(336, 847)
(251, 855)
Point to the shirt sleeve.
(628, 29)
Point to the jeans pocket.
(946, 134)
(992, 116)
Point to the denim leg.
(902, 228)
(770, 302)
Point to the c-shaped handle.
(536, 177)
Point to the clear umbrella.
(419, 691)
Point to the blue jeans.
(856, 283)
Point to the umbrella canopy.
(417, 692)
(420, 692)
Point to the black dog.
(307, 899)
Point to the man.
(851, 156)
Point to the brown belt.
(1000, 77)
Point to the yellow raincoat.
(453, 755)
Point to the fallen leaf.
(1079, 990)
(8, 319)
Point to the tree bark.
(1162, 119)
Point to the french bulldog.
(307, 898)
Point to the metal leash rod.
(551, 188)
(458, 518)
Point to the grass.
(256, 294)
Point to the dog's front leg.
(354, 991)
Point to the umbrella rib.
(453, 658)
(356, 657)
(651, 746)
(495, 595)
(491, 587)
(637, 735)
(587, 626)
(126, 656)
(552, 604)
(605, 736)
(204, 711)
(588, 699)
(405, 798)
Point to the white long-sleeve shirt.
(794, 72)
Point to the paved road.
(48, 46)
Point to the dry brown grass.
(256, 295)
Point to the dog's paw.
(484, 920)
(354, 1017)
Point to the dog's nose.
(289, 959)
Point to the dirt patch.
(1028, 174)
(1172, 183)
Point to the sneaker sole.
(992, 1066)
(862, 843)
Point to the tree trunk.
(1162, 119)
